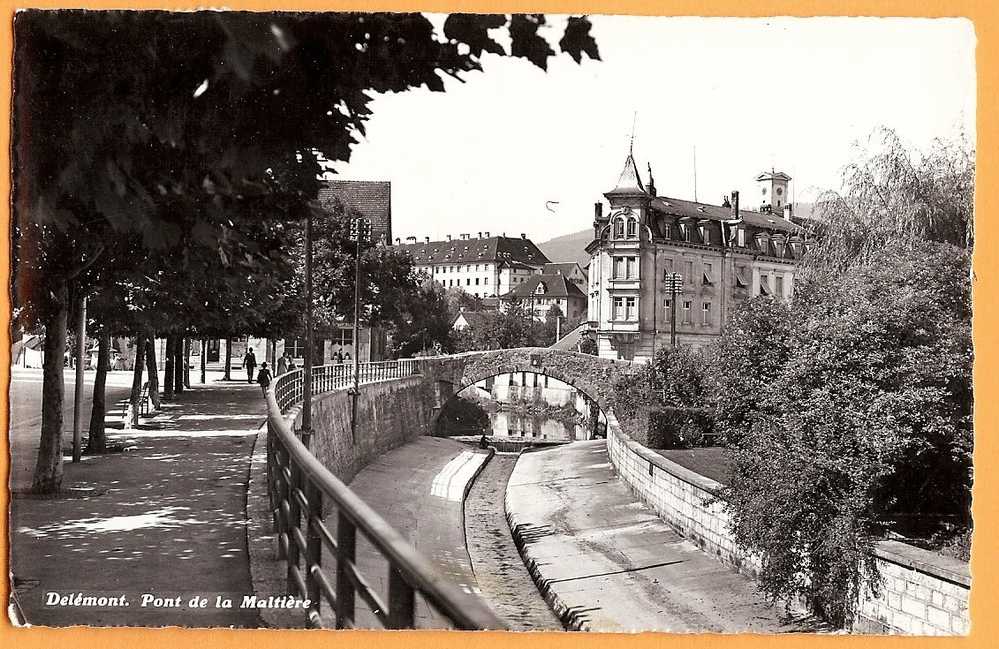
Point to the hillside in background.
(568, 247)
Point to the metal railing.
(300, 486)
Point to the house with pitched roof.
(721, 255)
(484, 266)
(371, 199)
(543, 291)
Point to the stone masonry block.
(913, 607)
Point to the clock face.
(780, 190)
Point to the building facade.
(724, 255)
(483, 266)
(542, 291)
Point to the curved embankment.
(606, 562)
(922, 593)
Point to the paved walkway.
(419, 489)
(165, 519)
(610, 564)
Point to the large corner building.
(725, 254)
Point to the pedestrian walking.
(282, 364)
(264, 376)
(250, 363)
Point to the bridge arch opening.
(523, 404)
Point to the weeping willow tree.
(850, 410)
(893, 195)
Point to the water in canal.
(505, 423)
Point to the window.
(779, 288)
(631, 312)
(764, 284)
(740, 277)
(632, 267)
(706, 236)
(476, 281)
(295, 347)
(342, 337)
(468, 281)
(707, 278)
(741, 238)
(669, 307)
(476, 266)
(686, 312)
(706, 313)
(619, 228)
(684, 232)
(632, 228)
(618, 267)
(688, 271)
(619, 308)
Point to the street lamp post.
(306, 430)
(360, 232)
(674, 284)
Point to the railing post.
(314, 546)
(294, 521)
(346, 540)
(281, 525)
(402, 601)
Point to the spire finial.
(631, 145)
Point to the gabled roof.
(565, 267)
(681, 208)
(372, 198)
(473, 318)
(556, 286)
(492, 250)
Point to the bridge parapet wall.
(922, 593)
(591, 375)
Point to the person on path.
(264, 376)
(282, 364)
(339, 357)
(250, 363)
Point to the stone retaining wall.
(390, 413)
(922, 593)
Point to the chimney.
(725, 202)
(410, 239)
(735, 204)
(480, 235)
(464, 236)
(426, 239)
(523, 235)
(449, 237)
(487, 235)
(398, 241)
(598, 211)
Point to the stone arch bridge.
(591, 375)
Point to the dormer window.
(540, 290)
(632, 228)
(619, 228)
(741, 237)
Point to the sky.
(749, 95)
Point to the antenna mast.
(695, 173)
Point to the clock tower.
(773, 190)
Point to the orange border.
(985, 624)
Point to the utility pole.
(360, 232)
(306, 429)
(81, 345)
(674, 284)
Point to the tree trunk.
(154, 372)
(48, 469)
(96, 439)
(228, 358)
(178, 364)
(204, 354)
(187, 363)
(140, 355)
(168, 369)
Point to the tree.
(126, 153)
(425, 323)
(850, 409)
